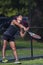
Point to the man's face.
(19, 18)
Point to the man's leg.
(12, 45)
(3, 51)
(4, 47)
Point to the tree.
(12, 7)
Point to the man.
(8, 36)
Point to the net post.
(31, 40)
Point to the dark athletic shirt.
(12, 30)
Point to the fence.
(27, 48)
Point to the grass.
(37, 50)
(26, 62)
(24, 43)
(24, 52)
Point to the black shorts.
(8, 38)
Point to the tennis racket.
(34, 35)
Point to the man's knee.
(14, 49)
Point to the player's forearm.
(19, 25)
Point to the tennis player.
(8, 36)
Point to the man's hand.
(23, 31)
(26, 29)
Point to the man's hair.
(18, 15)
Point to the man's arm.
(19, 25)
(22, 32)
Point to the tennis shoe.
(4, 60)
(17, 62)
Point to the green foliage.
(6, 8)
(12, 7)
